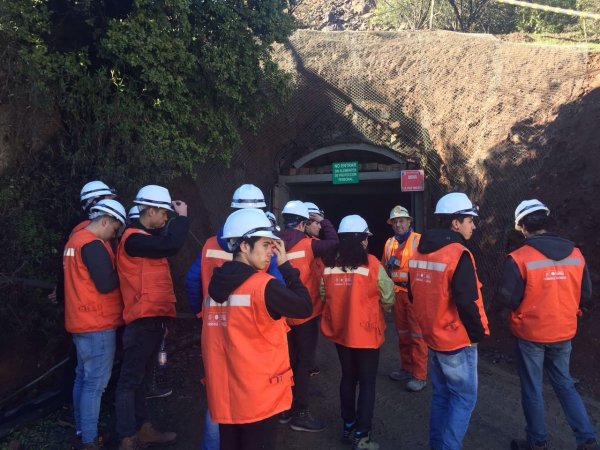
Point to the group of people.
(263, 294)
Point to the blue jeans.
(210, 439)
(454, 382)
(533, 359)
(95, 355)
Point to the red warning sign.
(412, 180)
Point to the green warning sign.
(344, 172)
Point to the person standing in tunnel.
(543, 283)
(304, 333)
(447, 302)
(357, 289)
(413, 350)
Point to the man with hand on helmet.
(149, 303)
(250, 383)
(448, 306)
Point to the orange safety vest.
(548, 311)
(86, 309)
(352, 315)
(430, 279)
(80, 226)
(301, 257)
(403, 254)
(146, 283)
(213, 256)
(245, 352)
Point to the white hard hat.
(134, 213)
(271, 217)
(397, 212)
(111, 207)
(456, 203)
(245, 223)
(314, 209)
(95, 189)
(248, 196)
(153, 195)
(354, 224)
(526, 207)
(296, 207)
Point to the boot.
(304, 421)
(362, 441)
(130, 443)
(148, 435)
(522, 444)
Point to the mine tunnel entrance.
(378, 189)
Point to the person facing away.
(413, 350)
(149, 303)
(93, 312)
(356, 289)
(447, 302)
(244, 343)
(542, 284)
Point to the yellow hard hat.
(398, 211)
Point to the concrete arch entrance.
(309, 179)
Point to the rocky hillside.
(334, 15)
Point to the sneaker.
(592, 444)
(347, 430)
(286, 416)
(400, 375)
(522, 444)
(363, 441)
(314, 371)
(416, 385)
(304, 421)
(148, 435)
(159, 392)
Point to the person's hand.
(316, 217)
(279, 251)
(180, 207)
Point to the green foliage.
(533, 21)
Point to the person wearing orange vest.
(93, 312)
(543, 283)
(244, 344)
(413, 350)
(149, 303)
(304, 334)
(446, 297)
(356, 289)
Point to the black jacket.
(553, 247)
(161, 243)
(328, 238)
(464, 282)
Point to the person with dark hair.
(357, 288)
(543, 283)
(447, 302)
(303, 253)
(244, 343)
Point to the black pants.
(249, 436)
(141, 340)
(359, 368)
(302, 342)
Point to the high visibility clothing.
(430, 283)
(245, 352)
(213, 256)
(402, 253)
(301, 257)
(352, 315)
(548, 311)
(413, 349)
(86, 309)
(80, 226)
(146, 284)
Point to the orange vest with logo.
(80, 226)
(301, 257)
(213, 256)
(352, 315)
(548, 311)
(399, 274)
(245, 352)
(86, 309)
(146, 284)
(430, 283)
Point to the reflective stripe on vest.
(213, 256)
(302, 258)
(245, 351)
(548, 311)
(352, 315)
(430, 283)
(86, 309)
